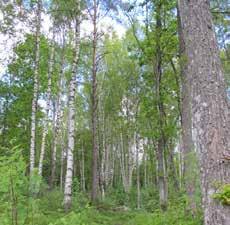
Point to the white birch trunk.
(48, 108)
(35, 89)
(71, 118)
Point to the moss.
(223, 195)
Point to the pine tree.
(210, 107)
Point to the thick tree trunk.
(188, 150)
(71, 118)
(45, 128)
(35, 90)
(210, 106)
(70, 147)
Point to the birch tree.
(48, 106)
(71, 113)
(36, 85)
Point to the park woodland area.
(114, 112)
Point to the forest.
(114, 112)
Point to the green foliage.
(149, 199)
(127, 102)
(37, 184)
(47, 207)
(16, 90)
(223, 195)
(117, 196)
(12, 168)
(91, 216)
(13, 185)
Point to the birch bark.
(48, 106)
(35, 88)
(71, 117)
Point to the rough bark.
(35, 88)
(210, 106)
(71, 117)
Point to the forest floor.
(48, 210)
(92, 216)
(103, 214)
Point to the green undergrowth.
(21, 206)
(47, 210)
(223, 195)
(91, 216)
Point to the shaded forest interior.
(115, 112)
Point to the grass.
(48, 210)
(92, 216)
